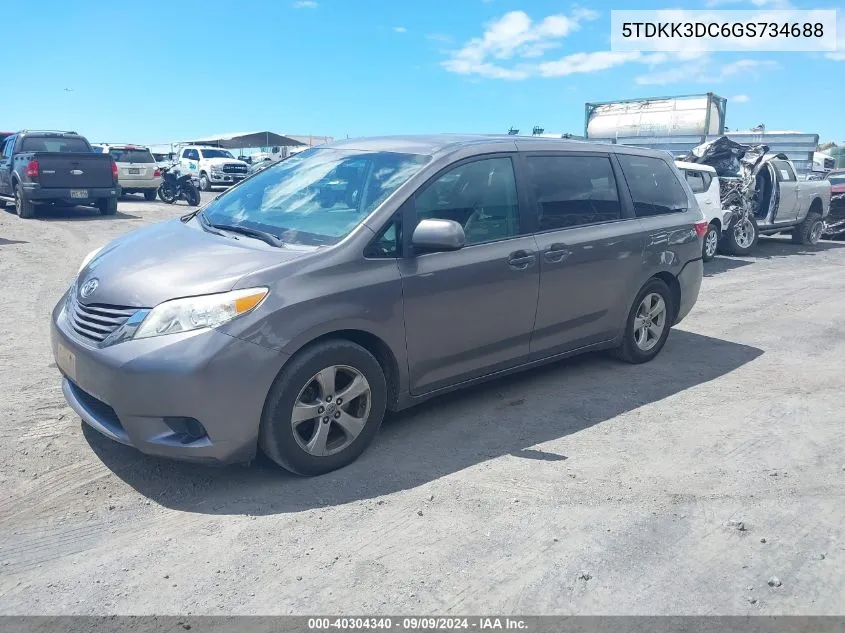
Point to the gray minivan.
(294, 309)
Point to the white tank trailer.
(699, 115)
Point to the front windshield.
(837, 179)
(316, 197)
(216, 153)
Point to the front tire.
(810, 230)
(24, 207)
(711, 243)
(166, 193)
(648, 323)
(205, 183)
(742, 237)
(107, 206)
(324, 408)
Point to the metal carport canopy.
(245, 140)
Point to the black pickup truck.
(58, 168)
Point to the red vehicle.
(835, 222)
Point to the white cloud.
(305, 4)
(514, 36)
(400, 29)
(439, 37)
(740, 99)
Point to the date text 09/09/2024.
(417, 624)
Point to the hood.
(224, 161)
(175, 259)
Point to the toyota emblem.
(89, 287)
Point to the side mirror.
(438, 235)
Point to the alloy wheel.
(816, 232)
(744, 233)
(331, 410)
(711, 242)
(649, 321)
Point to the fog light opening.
(188, 429)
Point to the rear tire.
(810, 230)
(24, 207)
(711, 242)
(192, 196)
(648, 323)
(107, 206)
(150, 195)
(286, 442)
(742, 237)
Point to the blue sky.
(365, 67)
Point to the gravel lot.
(588, 487)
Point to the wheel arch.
(373, 344)
(816, 206)
(674, 287)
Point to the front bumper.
(225, 179)
(131, 390)
(61, 194)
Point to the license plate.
(66, 360)
(134, 171)
(79, 193)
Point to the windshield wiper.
(204, 223)
(264, 236)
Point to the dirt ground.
(710, 481)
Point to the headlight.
(216, 168)
(88, 258)
(193, 313)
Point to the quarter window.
(654, 188)
(480, 196)
(573, 191)
(696, 182)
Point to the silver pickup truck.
(784, 204)
(761, 195)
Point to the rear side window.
(54, 145)
(573, 190)
(132, 156)
(696, 181)
(654, 188)
(784, 170)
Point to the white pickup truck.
(213, 166)
(765, 200)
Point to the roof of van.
(430, 144)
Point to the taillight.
(32, 169)
(701, 228)
(157, 174)
(114, 172)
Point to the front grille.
(96, 321)
(234, 168)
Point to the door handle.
(556, 253)
(520, 259)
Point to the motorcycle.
(175, 186)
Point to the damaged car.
(761, 195)
(834, 226)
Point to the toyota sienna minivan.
(294, 309)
